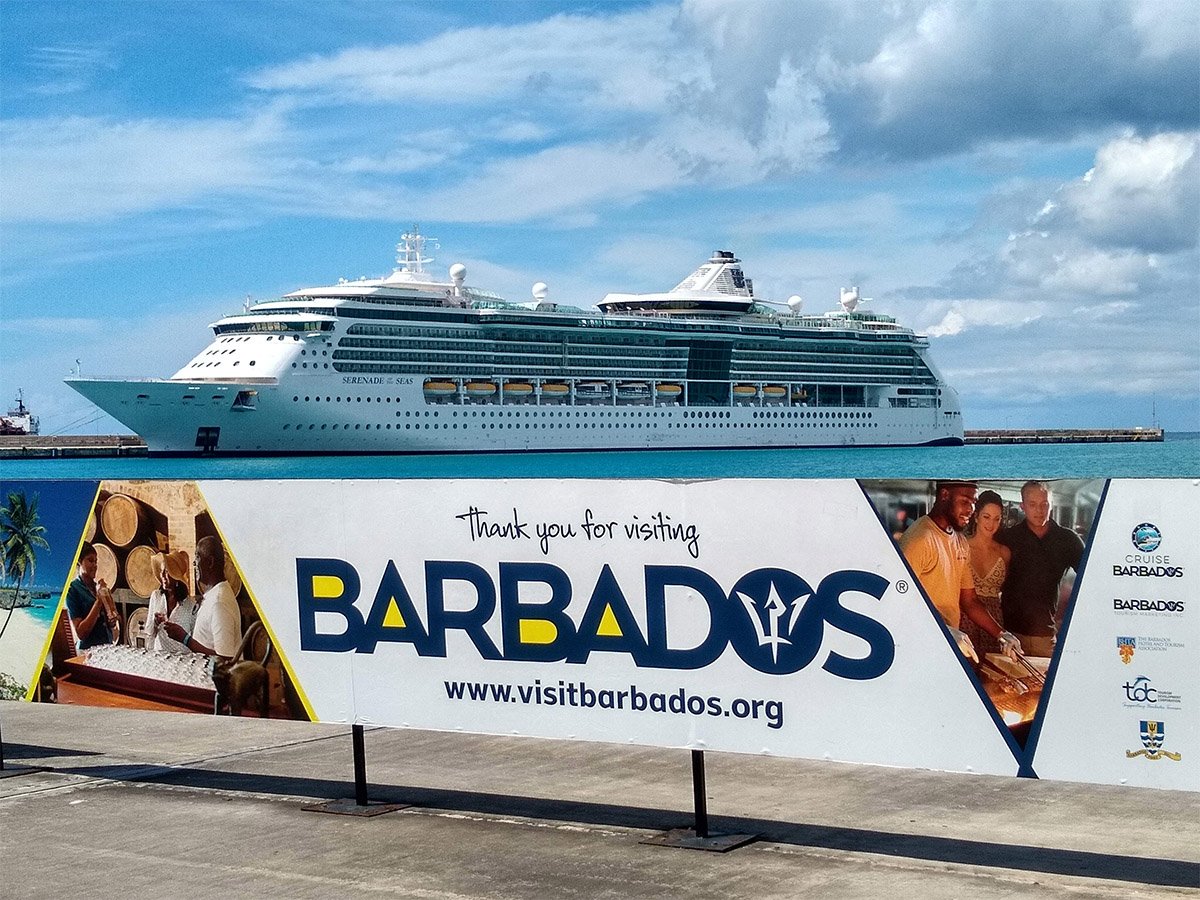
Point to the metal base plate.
(687, 839)
(347, 807)
(10, 770)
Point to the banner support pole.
(699, 795)
(698, 837)
(360, 767)
(360, 805)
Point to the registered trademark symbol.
(902, 587)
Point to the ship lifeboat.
(479, 390)
(799, 395)
(774, 393)
(440, 389)
(633, 391)
(591, 390)
(668, 391)
(517, 391)
(554, 391)
(744, 393)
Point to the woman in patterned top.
(989, 565)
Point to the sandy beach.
(21, 646)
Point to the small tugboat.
(19, 420)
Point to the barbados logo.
(1146, 537)
(1126, 646)
(1152, 741)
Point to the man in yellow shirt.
(941, 559)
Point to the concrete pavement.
(213, 807)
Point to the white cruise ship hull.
(383, 414)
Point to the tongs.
(1029, 667)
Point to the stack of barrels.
(126, 534)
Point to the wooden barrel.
(89, 530)
(231, 574)
(107, 568)
(123, 520)
(139, 573)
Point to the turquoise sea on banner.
(1176, 457)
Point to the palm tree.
(20, 535)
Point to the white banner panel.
(1122, 704)
(752, 616)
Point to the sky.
(63, 508)
(1018, 180)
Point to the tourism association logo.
(1153, 735)
(1126, 646)
(1146, 537)
(1144, 693)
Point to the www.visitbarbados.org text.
(579, 695)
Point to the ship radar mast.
(410, 252)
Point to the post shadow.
(699, 837)
(360, 805)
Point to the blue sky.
(1020, 181)
(63, 508)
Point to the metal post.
(2, 747)
(360, 767)
(699, 793)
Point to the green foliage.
(10, 688)
(21, 534)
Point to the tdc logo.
(1146, 537)
(1140, 690)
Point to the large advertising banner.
(1042, 629)
(754, 616)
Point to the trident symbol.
(768, 632)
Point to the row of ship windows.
(602, 413)
(488, 347)
(448, 426)
(577, 360)
(574, 336)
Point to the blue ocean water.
(43, 608)
(1176, 457)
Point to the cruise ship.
(408, 363)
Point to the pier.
(46, 446)
(27, 446)
(1061, 435)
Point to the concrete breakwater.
(1062, 435)
(107, 445)
(45, 446)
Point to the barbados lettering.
(1140, 605)
(1149, 571)
(775, 622)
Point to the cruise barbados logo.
(1153, 733)
(1146, 537)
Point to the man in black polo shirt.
(1042, 551)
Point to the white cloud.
(616, 61)
(559, 180)
(80, 168)
(966, 314)
(1142, 192)
(68, 68)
